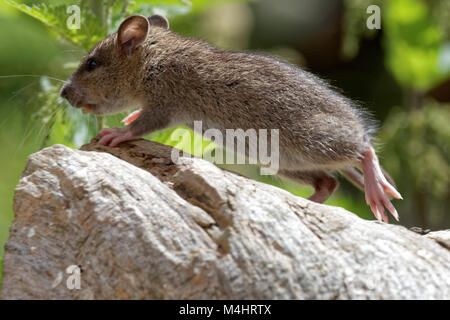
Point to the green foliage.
(419, 144)
(414, 43)
(414, 36)
(440, 11)
(184, 139)
(355, 25)
(55, 17)
(101, 17)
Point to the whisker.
(82, 51)
(16, 93)
(68, 127)
(31, 75)
(89, 124)
(25, 138)
(29, 129)
(45, 128)
(13, 96)
(96, 124)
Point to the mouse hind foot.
(377, 187)
(324, 184)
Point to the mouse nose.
(64, 91)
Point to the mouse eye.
(91, 64)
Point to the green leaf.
(414, 43)
(184, 139)
(55, 17)
(192, 5)
(417, 141)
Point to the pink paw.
(116, 135)
(377, 188)
(131, 117)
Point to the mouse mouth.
(88, 108)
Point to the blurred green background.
(401, 73)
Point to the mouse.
(176, 80)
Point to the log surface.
(141, 227)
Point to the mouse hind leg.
(324, 184)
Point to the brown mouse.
(177, 80)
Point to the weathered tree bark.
(148, 228)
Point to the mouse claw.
(114, 136)
(105, 131)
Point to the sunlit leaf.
(55, 17)
(414, 43)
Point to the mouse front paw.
(113, 136)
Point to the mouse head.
(106, 80)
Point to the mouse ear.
(132, 33)
(159, 21)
